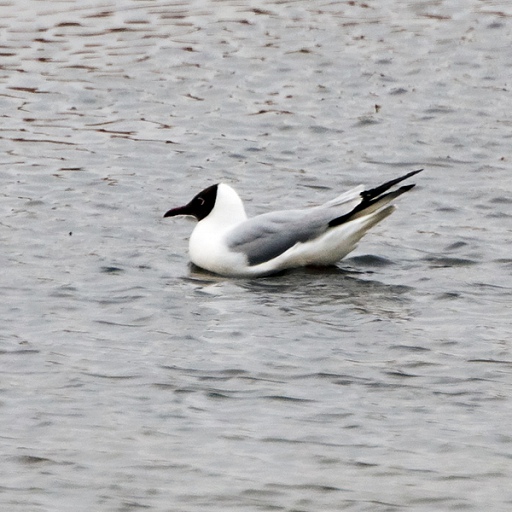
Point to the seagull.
(228, 243)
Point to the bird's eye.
(201, 200)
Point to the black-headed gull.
(226, 242)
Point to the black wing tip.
(372, 196)
(412, 173)
(405, 188)
(377, 191)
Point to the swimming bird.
(228, 243)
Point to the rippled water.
(130, 381)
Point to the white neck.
(206, 241)
(228, 210)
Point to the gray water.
(131, 381)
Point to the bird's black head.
(200, 207)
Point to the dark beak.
(182, 210)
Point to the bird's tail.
(374, 199)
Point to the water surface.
(130, 381)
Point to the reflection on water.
(130, 380)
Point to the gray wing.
(265, 237)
